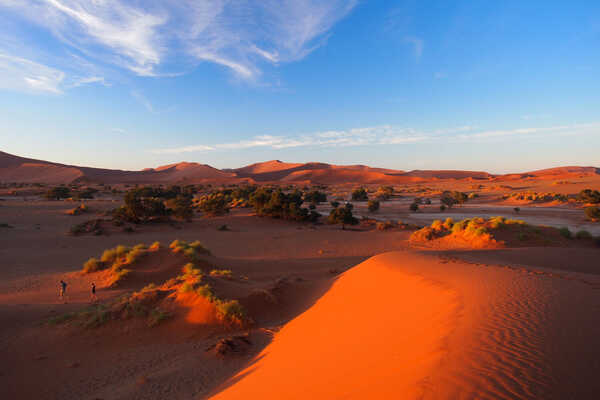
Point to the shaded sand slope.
(411, 325)
(376, 333)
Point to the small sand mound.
(494, 232)
(168, 282)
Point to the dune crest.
(378, 332)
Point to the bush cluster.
(57, 193)
(384, 192)
(342, 215)
(593, 213)
(360, 194)
(589, 196)
(275, 203)
(451, 197)
(373, 205)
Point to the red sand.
(376, 334)
(407, 325)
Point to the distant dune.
(26, 170)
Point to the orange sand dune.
(19, 169)
(405, 325)
(377, 333)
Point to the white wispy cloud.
(383, 135)
(165, 37)
(20, 74)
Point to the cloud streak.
(166, 37)
(382, 135)
(20, 74)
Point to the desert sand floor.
(409, 325)
(507, 323)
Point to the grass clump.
(222, 273)
(384, 226)
(109, 256)
(593, 213)
(191, 250)
(92, 265)
(231, 311)
(157, 316)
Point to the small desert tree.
(57, 193)
(315, 197)
(589, 196)
(373, 205)
(213, 204)
(414, 207)
(360, 194)
(181, 207)
(593, 213)
(342, 215)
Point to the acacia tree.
(342, 215)
(360, 194)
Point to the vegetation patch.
(93, 226)
(342, 215)
(593, 213)
(116, 261)
(278, 204)
(493, 232)
(80, 209)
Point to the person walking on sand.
(94, 298)
(63, 289)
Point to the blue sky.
(497, 86)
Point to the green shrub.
(315, 197)
(186, 287)
(213, 204)
(442, 208)
(222, 273)
(414, 207)
(342, 215)
(134, 255)
(593, 213)
(277, 204)
(360, 194)
(373, 205)
(109, 256)
(565, 232)
(589, 196)
(383, 226)
(92, 265)
(157, 316)
(583, 235)
(181, 207)
(205, 291)
(122, 251)
(231, 311)
(57, 193)
(449, 223)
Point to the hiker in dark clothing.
(63, 289)
(94, 298)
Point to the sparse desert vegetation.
(493, 232)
